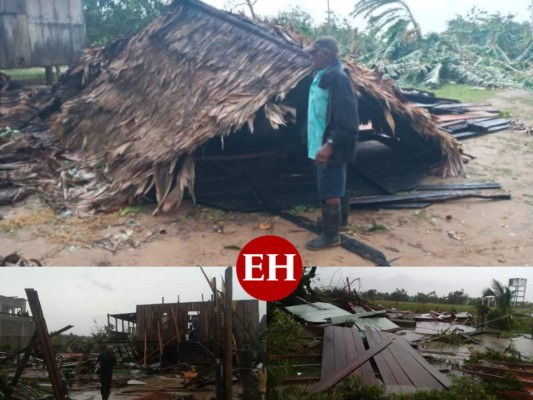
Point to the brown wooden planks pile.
(400, 367)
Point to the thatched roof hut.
(196, 74)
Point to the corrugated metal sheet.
(381, 324)
(40, 32)
(318, 313)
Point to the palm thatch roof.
(194, 74)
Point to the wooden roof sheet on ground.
(400, 367)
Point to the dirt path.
(457, 233)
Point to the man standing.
(332, 128)
(104, 365)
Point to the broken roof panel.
(318, 313)
(381, 324)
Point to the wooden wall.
(148, 316)
(39, 33)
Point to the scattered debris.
(15, 260)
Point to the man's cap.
(328, 43)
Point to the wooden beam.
(228, 334)
(174, 319)
(347, 243)
(44, 339)
(350, 367)
(145, 349)
(160, 338)
(219, 384)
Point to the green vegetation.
(109, 19)
(25, 74)
(421, 308)
(464, 93)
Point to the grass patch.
(25, 74)
(464, 93)
(422, 307)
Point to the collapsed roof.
(198, 74)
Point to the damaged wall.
(149, 315)
(16, 327)
(40, 33)
(15, 330)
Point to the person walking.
(104, 367)
(332, 129)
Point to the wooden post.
(228, 334)
(175, 319)
(145, 349)
(216, 340)
(160, 338)
(44, 339)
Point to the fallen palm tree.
(196, 77)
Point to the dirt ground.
(465, 232)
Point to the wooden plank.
(383, 367)
(501, 371)
(462, 186)
(347, 243)
(328, 354)
(515, 395)
(341, 357)
(350, 367)
(424, 196)
(440, 377)
(399, 374)
(485, 125)
(405, 206)
(44, 340)
(418, 375)
(366, 369)
(349, 349)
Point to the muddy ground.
(455, 233)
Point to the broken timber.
(350, 366)
(437, 195)
(347, 243)
(44, 339)
(400, 367)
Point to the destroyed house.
(213, 104)
(183, 331)
(16, 327)
(40, 33)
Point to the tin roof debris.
(318, 313)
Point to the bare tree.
(231, 5)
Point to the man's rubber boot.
(331, 221)
(345, 212)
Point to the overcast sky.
(430, 14)
(78, 295)
(442, 280)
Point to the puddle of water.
(460, 353)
